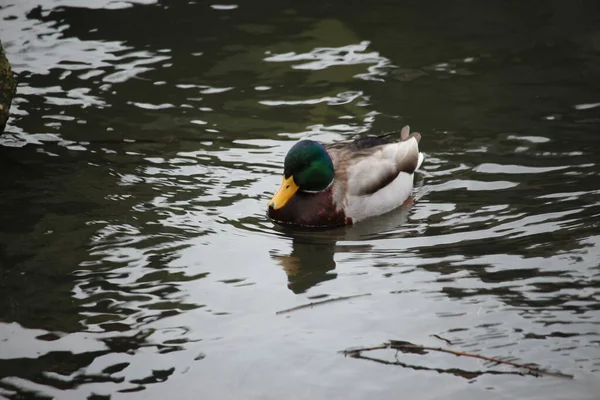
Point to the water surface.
(136, 260)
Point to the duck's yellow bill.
(284, 194)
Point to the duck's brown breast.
(310, 209)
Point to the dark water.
(136, 260)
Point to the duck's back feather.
(378, 178)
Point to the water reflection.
(312, 259)
(310, 262)
(326, 57)
(145, 141)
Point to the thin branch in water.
(317, 303)
(355, 351)
(454, 371)
(407, 347)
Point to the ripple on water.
(139, 254)
(326, 57)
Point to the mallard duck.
(345, 182)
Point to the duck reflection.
(312, 259)
(309, 263)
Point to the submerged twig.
(453, 371)
(317, 303)
(407, 347)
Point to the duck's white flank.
(382, 165)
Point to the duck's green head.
(307, 168)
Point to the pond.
(136, 257)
